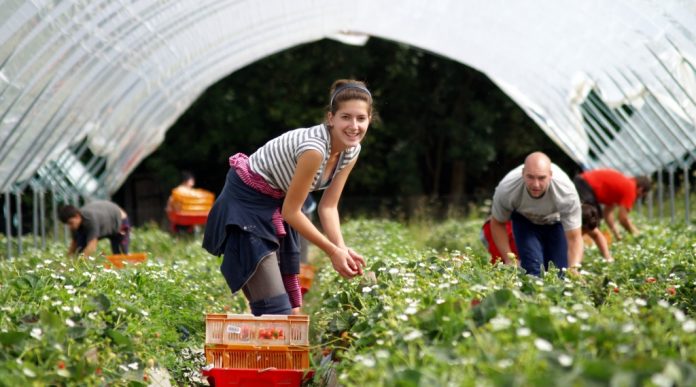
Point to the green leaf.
(102, 302)
(118, 338)
(488, 308)
(51, 319)
(12, 337)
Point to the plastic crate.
(190, 218)
(119, 261)
(257, 357)
(306, 277)
(255, 378)
(265, 330)
(192, 200)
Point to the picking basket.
(257, 357)
(120, 260)
(265, 330)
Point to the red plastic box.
(255, 378)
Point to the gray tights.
(265, 290)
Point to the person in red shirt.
(611, 189)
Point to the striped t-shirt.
(276, 161)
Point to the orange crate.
(306, 277)
(119, 260)
(287, 357)
(265, 330)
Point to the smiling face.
(349, 124)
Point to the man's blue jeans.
(539, 244)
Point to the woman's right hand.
(344, 263)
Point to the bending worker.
(544, 207)
(611, 188)
(93, 221)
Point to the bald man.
(544, 206)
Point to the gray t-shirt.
(560, 202)
(100, 219)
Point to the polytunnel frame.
(643, 150)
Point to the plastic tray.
(265, 330)
(257, 357)
(119, 261)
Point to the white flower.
(466, 334)
(367, 361)
(120, 309)
(36, 333)
(29, 373)
(366, 289)
(439, 301)
(499, 323)
(70, 323)
(628, 328)
(504, 363)
(689, 326)
(583, 315)
(144, 313)
(411, 310)
(413, 335)
(543, 345)
(679, 315)
(133, 366)
(565, 360)
(523, 331)
(641, 302)
(76, 309)
(662, 380)
(571, 319)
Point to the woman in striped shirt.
(256, 219)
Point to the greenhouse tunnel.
(613, 84)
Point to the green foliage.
(442, 317)
(435, 315)
(69, 321)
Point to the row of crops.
(436, 313)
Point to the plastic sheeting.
(115, 74)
